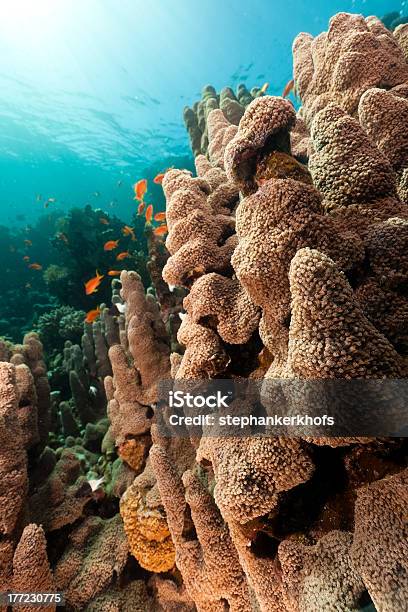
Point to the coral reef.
(196, 119)
(339, 65)
(285, 262)
(318, 253)
(58, 325)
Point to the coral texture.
(339, 65)
(285, 265)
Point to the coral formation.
(285, 262)
(319, 251)
(339, 65)
(232, 106)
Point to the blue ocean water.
(92, 91)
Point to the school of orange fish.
(140, 190)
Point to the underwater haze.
(92, 92)
(92, 100)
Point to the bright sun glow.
(31, 18)
(39, 38)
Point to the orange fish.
(35, 266)
(26, 258)
(92, 285)
(149, 213)
(110, 245)
(140, 189)
(128, 231)
(114, 272)
(92, 315)
(288, 88)
(122, 256)
(28, 242)
(161, 230)
(161, 216)
(103, 221)
(140, 208)
(158, 179)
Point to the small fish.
(122, 255)
(120, 307)
(35, 266)
(92, 285)
(49, 201)
(161, 230)
(95, 483)
(119, 183)
(149, 213)
(140, 208)
(103, 221)
(158, 179)
(28, 243)
(288, 88)
(38, 197)
(26, 258)
(27, 286)
(92, 315)
(140, 189)
(128, 231)
(96, 194)
(93, 391)
(264, 88)
(160, 216)
(63, 237)
(111, 245)
(114, 272)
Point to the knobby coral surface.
(288, 252)
(319, 254)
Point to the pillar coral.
(138, 363)
(339, 65)
(230, 105)
(205, 554)
(201, 241)
(316, 272)
(13, 471)
(380, 545)
(145, 524)
(314, 282)
(31, 569)
(30, 352)
(317, 577)
(97, 551)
